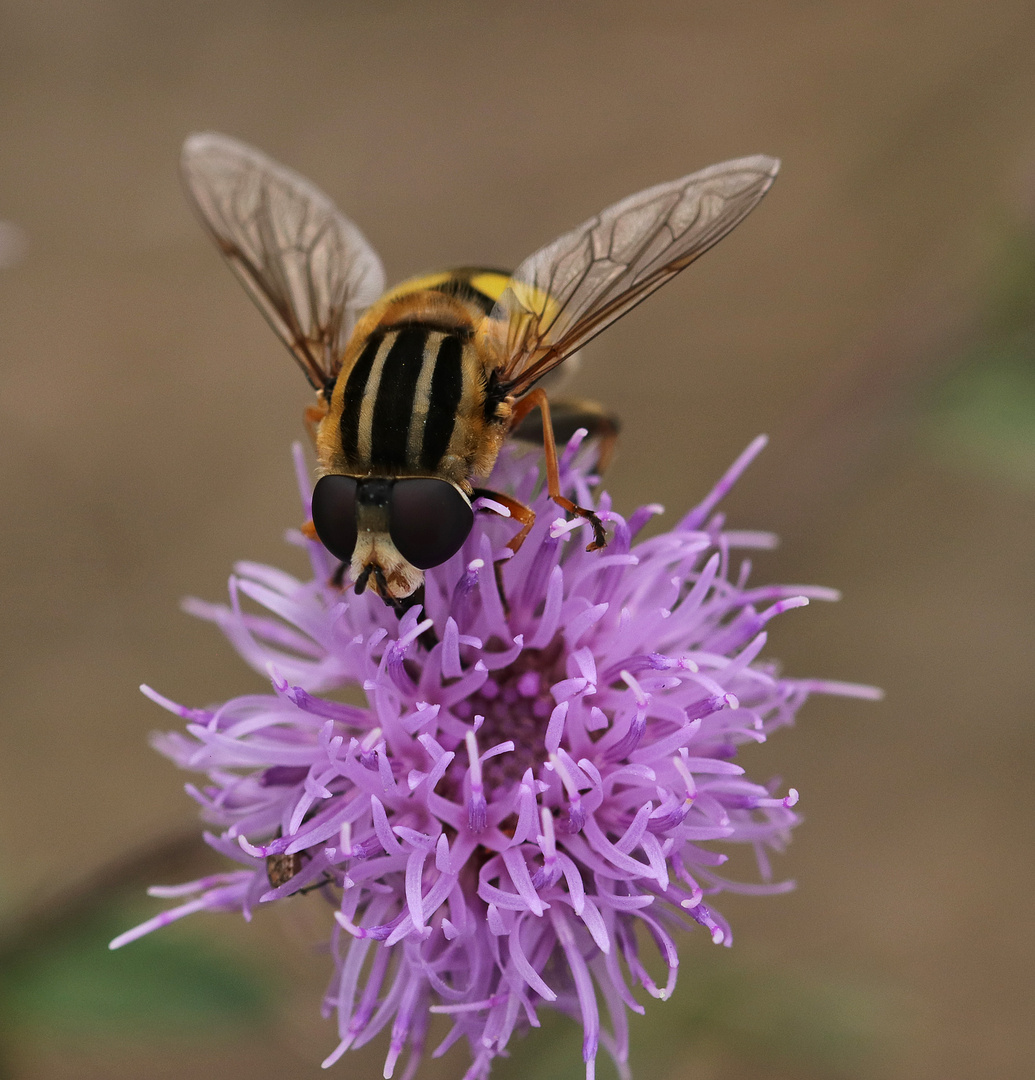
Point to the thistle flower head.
(531, 776)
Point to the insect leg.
(537, 399)
(326, 880)
(567, 416)
(313, 416)
(518, 511)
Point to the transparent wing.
(309, 269)
(570, 290)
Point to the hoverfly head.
(391, 530)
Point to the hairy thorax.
(416, 395)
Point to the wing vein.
(305, 265)
(567, 292)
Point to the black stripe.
(496, 393)
(447, 388)
(394, 405)
(441, 326)
(354, 391)
(459, 285)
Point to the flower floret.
(534, 761)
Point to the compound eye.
(428, 520)
(334, 514)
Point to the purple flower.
(533, 776)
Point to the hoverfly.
(418, 387)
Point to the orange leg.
(537, 399)
(567, 416)
(518, 511)
(313, 415)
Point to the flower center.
(516, 702)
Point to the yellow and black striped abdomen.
(405, 398)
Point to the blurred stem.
(37, 921)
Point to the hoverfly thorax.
(412, 396)
(417, 396)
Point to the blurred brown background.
(147, 413)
